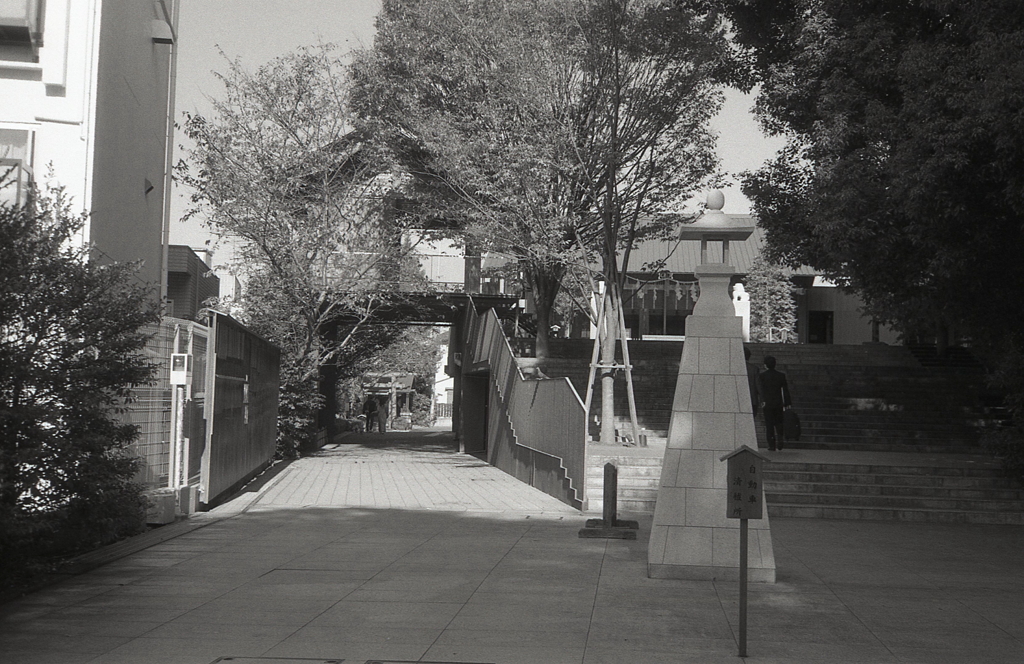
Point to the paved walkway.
(396, 548)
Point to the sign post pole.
(745, 503)
(743, 587)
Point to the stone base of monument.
(619, 529)
(698, 573)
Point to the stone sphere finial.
(716, 200)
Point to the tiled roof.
(684, 256)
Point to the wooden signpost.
(746, 501)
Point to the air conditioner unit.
(162, 506)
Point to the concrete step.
(859, 488)
(595, 477)
(879, 480)
(836, 499)
(634, 506)
(779, 509)
(971, 490)
(857, 445)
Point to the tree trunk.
(542, 351)
(328, 385)
(471, 273)
(609, 333)
(545, 284)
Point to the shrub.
(70, 349)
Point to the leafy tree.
(772, 308)
(278, 169)
(416, 351)
(544, 124)
(903, 174)
(71, 341)
(548, 128)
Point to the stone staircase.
(934, 488)
(655, 366)
(919, 426)
(880, 398)
(639, 474)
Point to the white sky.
(258, 30)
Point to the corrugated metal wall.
(231, 418)
(243, 408)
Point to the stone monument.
(692, 537)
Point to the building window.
(21, 22)
(16, 148)
(820, 327)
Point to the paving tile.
(504, 636)
(980, 641)
(136, 602)
(617, 640)
(499, 575)
(35, 656)
(352, 615)
(357, 653)
(237, 602)
(549, 600)
(103, 614)
(182, 651)
(947, 655)
(786, 651)
(519, 617)
(79, 643)
(68, 626)
(185, 630)
(368, 634)
(702, 619)
(648, 656)
(504, 655)
(226, 618)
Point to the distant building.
(87, 90)
(190, 282)
(661, 290)
(661, 285)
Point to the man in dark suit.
(774, 394)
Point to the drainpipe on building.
(171, 15)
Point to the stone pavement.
(396, 548)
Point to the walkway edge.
(233, 506)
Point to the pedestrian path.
(404, 470)
(403, 556)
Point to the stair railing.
(540, 417)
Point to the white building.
(86, 103)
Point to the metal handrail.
(545, 416)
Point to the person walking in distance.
(773, 391)
(382, 418)
(370, 411)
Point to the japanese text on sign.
(744, 488)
